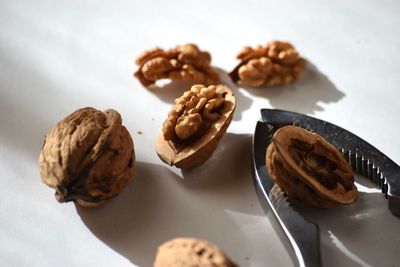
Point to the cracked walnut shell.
(195, 125)
(184, 252)
(277, 63)
(184, 62)
(308, 168)
(88, 157)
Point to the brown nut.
(88, 157)
(184, 252)
(277, 63)
(308, 168)
(184, 62)
(195, 125)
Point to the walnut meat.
(277, 63)
(185, 252)
(88, 157)
(308, 168)
(195, 124)
(184, 62)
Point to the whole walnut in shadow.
(88, 157)
(191, 252)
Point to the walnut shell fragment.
(88, 157)
(276, 63)
(306, 167)
(184, 62)
(195, 125)
(184, 252)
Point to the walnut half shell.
(88, 157)
(195, 125)
(308, 168)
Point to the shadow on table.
(159, 205)
(361, 234)
(26, 98)
(305, 95)
(167, 90)
(243, 102)
(229, 167)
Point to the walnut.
(195, 124)
(187, 126)
(277, 63)
(308, 168)
(184, 252)
(88, 157)
(184, 62)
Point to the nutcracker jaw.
(300, 236)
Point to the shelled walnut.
(195, 125)
(88, 157)
(277, 63)
(184, 62)
(190, 252)
(308, 168)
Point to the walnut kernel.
(184, 62)
(197, 106)
(277, 63)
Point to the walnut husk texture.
(307, 168)
(276, 63)
(185, 252)
(184, 62)
(88, 157)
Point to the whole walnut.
(88, 157)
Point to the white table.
(57, 56)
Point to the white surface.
(57, 56)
